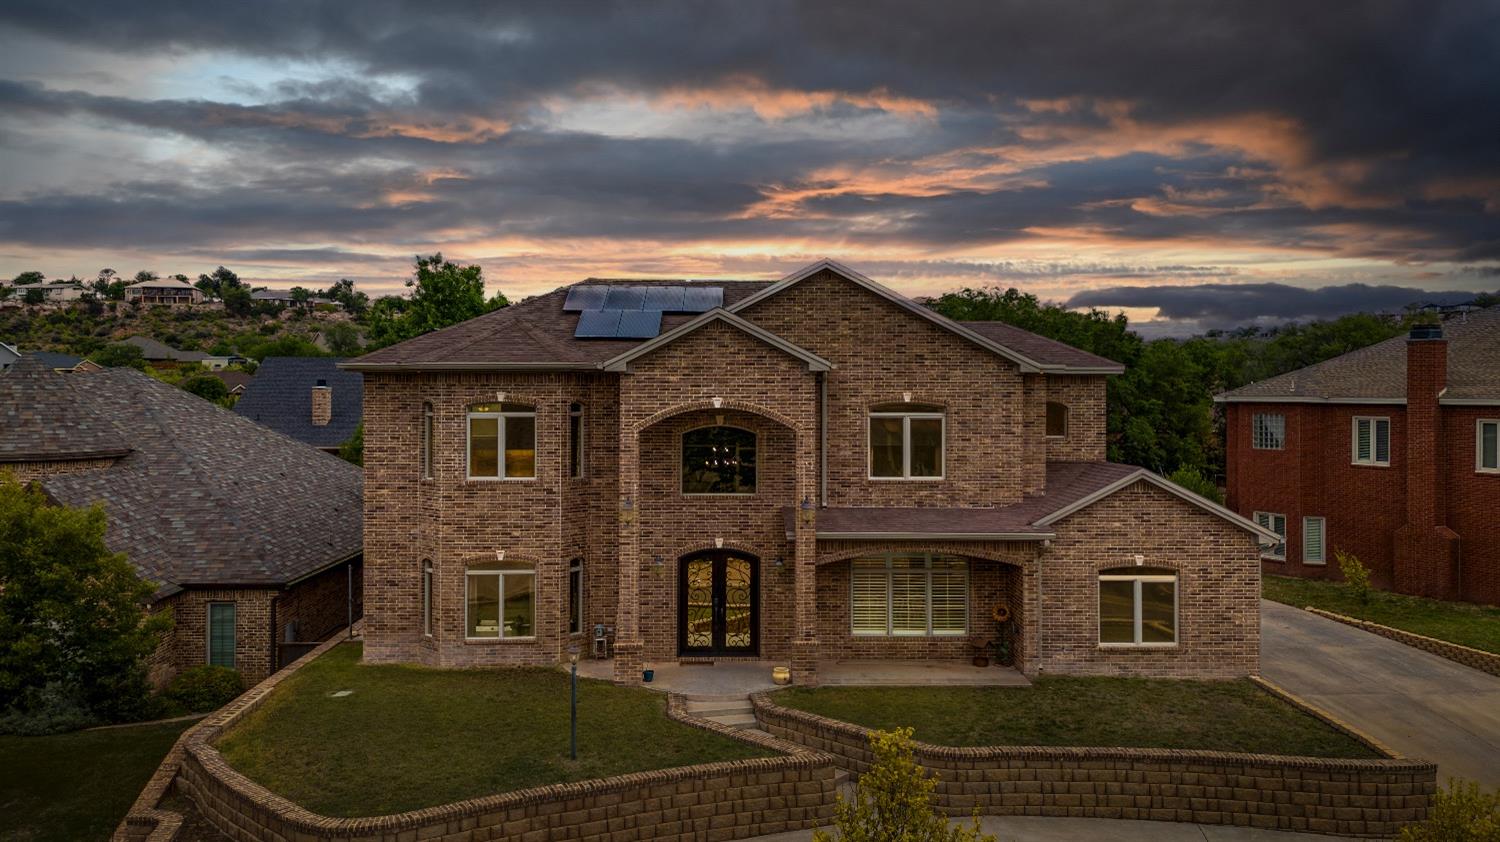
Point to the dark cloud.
(1234, 305)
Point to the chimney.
(322, 404)
(1426, 549)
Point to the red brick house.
(799, 471)
(1388, 452)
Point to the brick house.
(1387, 452)
(310, 399)
(252, 538)
(812, 469)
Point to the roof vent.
(1426, 331)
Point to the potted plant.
(981, 659)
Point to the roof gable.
(718, 314)
(279, 396)
(1143, 475)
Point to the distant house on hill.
(234, 381)
(56, 291)
(251, 538)
(64, 363)
(308, 398)
(163, 355)
(164, 291)
(284, 296)
(8, 356)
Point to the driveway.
(1420, 705)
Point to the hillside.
(77, 330)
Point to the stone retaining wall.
(720, 801)
(1318, 795)
(1476, 658)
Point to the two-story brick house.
(812, 469)
(1388, 452)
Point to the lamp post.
(573, 719)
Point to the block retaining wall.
(720, 801)
(1475, 658)
(1317, 795)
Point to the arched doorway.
(718, 604)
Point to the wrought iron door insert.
(718, 604)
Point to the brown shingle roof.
(1377, 373)
(41, 419)
(204, 497)
(1040, 348)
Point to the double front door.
(718, 604)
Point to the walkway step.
(715, 697)
(712, 710)
(735, 720)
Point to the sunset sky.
(1197, 163)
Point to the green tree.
(355, 302)
(215, 283)
(206, 386)
(443, 293)
(71, 612)
(342, 339)
(120, 355)
(147, 275)
(300, 295)
(353, 448)
(33, 296)
(237, 300)
(283, 346)
(893, 802)
(30, 277)
(1193, 480)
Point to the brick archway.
(723, 405)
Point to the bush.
(893, 802)
(204, 688)
(1460, 813)
(52, 709)
(1356, 579)
(206, 386)
(1196, 482)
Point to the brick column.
(1426, 549)
(805, 562)
(628, 643)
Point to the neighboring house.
(1390, 452)
(162, 355)
(235, 381)
(284, 296)
(811, 470)
(308, 398)
(8, 355)
(56, 291)
(252, 538)
(169, 291)
(64, 363)
(219, 362)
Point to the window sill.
(1136, 646)
(1370, 464)
(1307, 563)
(1487, 472)
(498, 479)
(692, 495)
(907, 479)
(1281, 558)
(1057, 438)
(497, 641)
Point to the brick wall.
(1305, 794)
(319, 606)
(187, 645)
(28, 471)
(1085, 397)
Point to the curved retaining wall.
(1476, 658)
(1349, 797)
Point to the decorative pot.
(647, 675)
(981, 661)
(781, 675)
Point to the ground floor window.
(1137, 607)
(500, 601)
(221, 634)
(575, 596)
(1276, 523)
(910, 595)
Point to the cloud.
(1236, 305)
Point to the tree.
(285, 346)
(148, 275)
(355, 302)
(1193, 480)
(353, 448)
(237, 300)
(31, 277)
(342, 339)
(120, 355)
(893, 801)
(214, 285)
(72, 620)
(206, 386)
(300, 295)
(33, 296)
(443, 293)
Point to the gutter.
(324, 569)
(374, 368)
(822, 439)
(936, 536)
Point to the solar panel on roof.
(625, 298)
(639, 324)
(666, 299)
(702, 299)
(585, 298)
(597, 324)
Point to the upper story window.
(1267, 431)
(575, 440)
(1057, 420)
(1276, 523)
(1137, 607)
(500, 601)
(718, 460)
(1487, 446)
(906, 441)
(426, 441)
(1371, 440)
(502, 441)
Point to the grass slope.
(1464, 623)
(77, 787)
(411, 737)
(1067, 711)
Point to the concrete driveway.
(1420, 705)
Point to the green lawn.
(411, 737)
(1464, 623)
(77, 787)
(1065, 711)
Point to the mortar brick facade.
(838, 345)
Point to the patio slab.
(726, 679)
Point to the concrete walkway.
(1037, 829)
(1420, 705)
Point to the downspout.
(822, 438)
(275, 636)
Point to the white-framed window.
(426, 441)
(1057, 420)
(718, 460)
(906, 441)
(1371, 440)
(1276, 523)
(575, 440)
(575, 596)
(427, 597)
(500, 601)
(920, 595)
(1314, 540)
(1268, 431)
(1138, 607)
(1487, 446)
(221, 634)
(502, 441)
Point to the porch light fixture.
(627, 510)
(906, 396)
(807, 511)
(658, 562)
(780, 563)
(717, 402)
(1139, 559)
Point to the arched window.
(575, 440)
(500, 600)
(426, 442)
(1057, 420)
(906, 441)
(575, 596)
(427, 597)
(718, 460)
(497, 429)
(1138, 607)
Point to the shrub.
(51, 709)
(206, 386)
(893, 802)
(204, 688)
(1460, 813)
(1196, 482)
(1356, 579)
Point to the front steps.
(732, 711)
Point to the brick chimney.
(1426, 549)
(322, 404)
